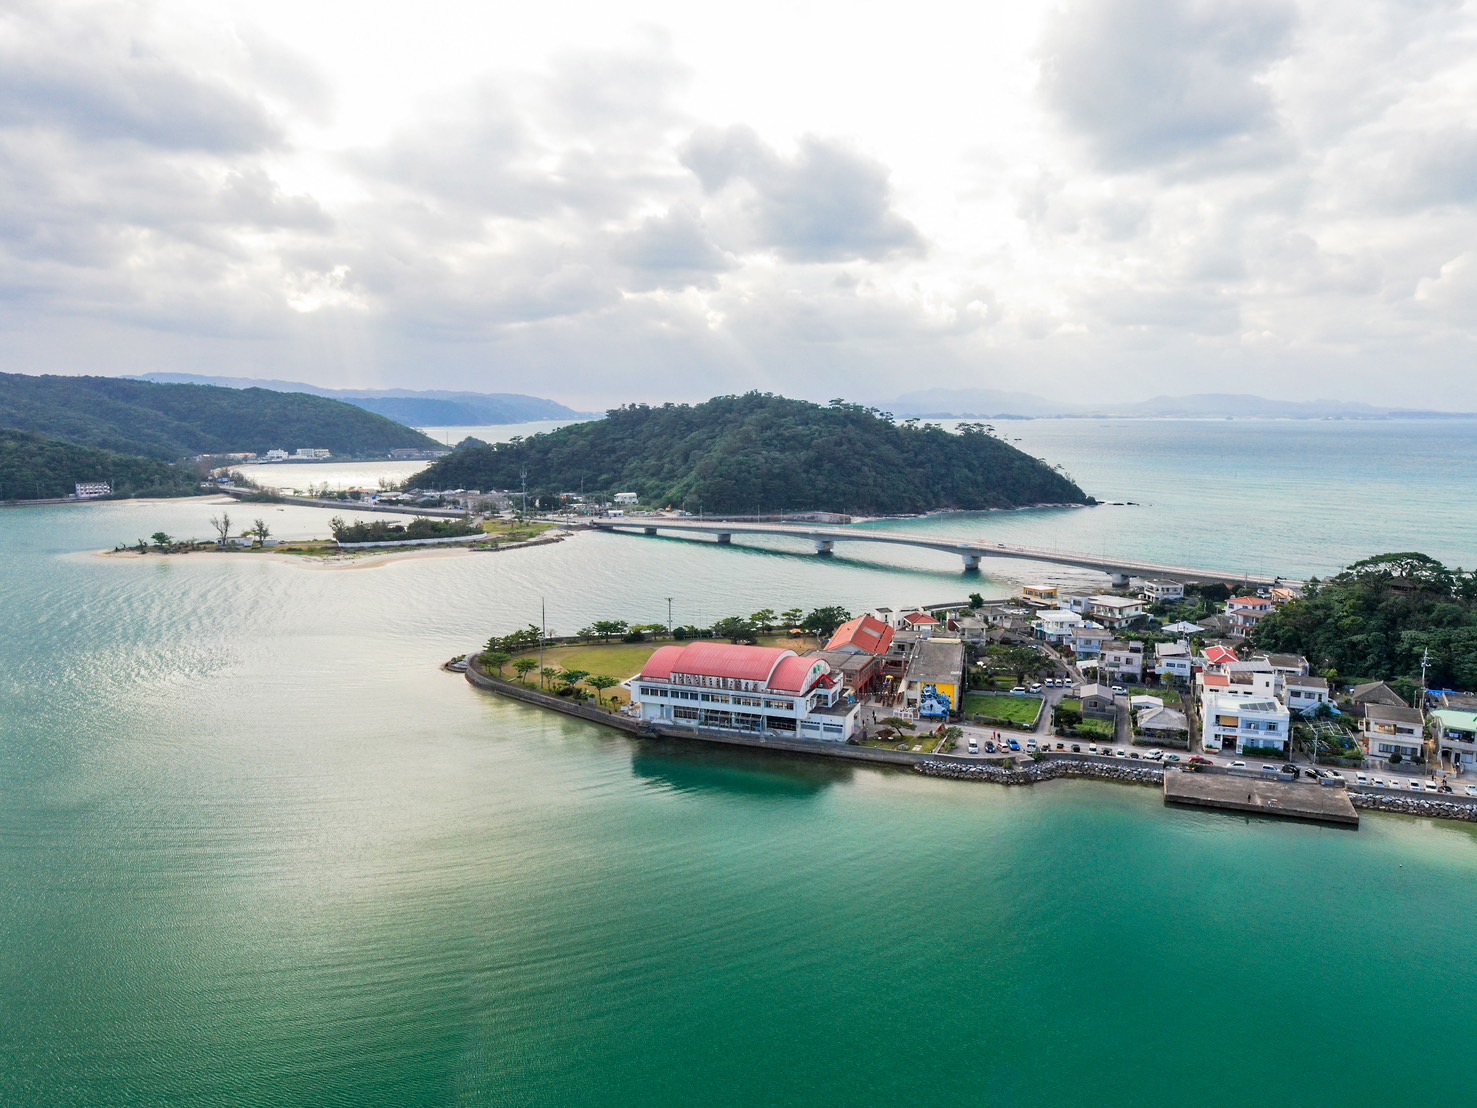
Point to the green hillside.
(37, 468)
(169, 422)
(759, 451)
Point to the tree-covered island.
(765, 453)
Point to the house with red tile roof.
(758, 690)
(863, 635)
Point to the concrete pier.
(1262, 797)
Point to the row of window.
(653, 692)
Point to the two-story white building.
(753, 689)
(1173, 661)
(1055, 625)
(1386, 730)
(1123, 661)
(1252, 724)
(1115, 612)
(1455, 736)
(1243, 613)
(1157, 592)
(1304, 695)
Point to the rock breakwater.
(1048, 770)
(1415, 806)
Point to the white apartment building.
(1242, 722)
(1386, 730)
(1156, 592)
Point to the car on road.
(1076, 748)
(1157, 755)
(989, 746)
(1120, 753)
(1201, 761)
(1415, 786)
(1015, 744)
(974, 746)
(1061, 746)
(1312, 773)
(1379, 782)
(1363, 779)
(1119, 690)
(1036, 686)
(1289, 768)
(1019, 690)
(1472, 790)
(1238, 765)
(1171, 757)
(1030, 744)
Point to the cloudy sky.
(645, 201)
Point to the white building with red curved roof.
(754, 689)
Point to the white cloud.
(636, 205)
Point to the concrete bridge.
(971, 551)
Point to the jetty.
(972, 551)
(1261, 796)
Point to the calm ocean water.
(258, 850)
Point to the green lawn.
(1020, 710)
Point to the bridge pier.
(971, 563)
(1120, 580)
(725, 537)
(650, 530)
(824, 546)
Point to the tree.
(161, 540)
(605, 628)
(600, 682)
(496, 659)
(822, 622)
(976, 601)
(764, 619)
(735, 629)
(260, 531)
(1396, 759)
(523, 666)
(547, 674)
(792, 616)
(572, 677)
(222, 526)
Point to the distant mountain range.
(1002, 404)
(412, 407)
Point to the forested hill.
(1379, 618)
(759, 451)
(37, 468)
(176, 421)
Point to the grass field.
(1021, 710)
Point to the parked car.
(1030, 744)
(1472, 790)
(1076, 748)
(1238, 765)
(1036, 687)
(1119, 690)
(974, 746)
(1415, 786)
(1156, 754)
(989, 746)
(1120, 753)
(1379, 782)
(1060, 746)
(1200, 761)
(1015, 744)
(1171, 757)
(1361, 778)
(1019, 690)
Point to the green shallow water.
(255, 849)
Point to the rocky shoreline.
(1415, 806)
(1048, 770)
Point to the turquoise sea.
(255, 848)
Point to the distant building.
(626, 498)
(1172, 661)
(1039, 594)
(1455, 736)
(1124, 660)
(1377, 692)
(277, 456)
(864, 634)
(753, 689)
(1115, 612)
(1259, 723)
(310, 454)
(1243, 613)
(1157, 592)
(92, 490)
(934, 682)
(1304, 695)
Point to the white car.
(1238, 765)
(1361, 778)
(1119, 690)
(1472, 790)
(1415, 786)
(1019, 690)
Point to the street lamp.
(669, 617)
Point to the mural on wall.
(933, 704)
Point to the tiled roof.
(864, 633)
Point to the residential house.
(1055, 625)
(1098, 701)
(626, 498)
(1377, 692)
(1172, 662)
(1292, 665)
(1158, 592)
(918, 621)
(1215, 658)
(1115, 612)
(1304, 695)
(1039, 595)
(1183, 627)
(1455, 736)
(1258, 725)
(1123, 661)
(1243, 613)
(1165, 726)
(1087, 641)
(862, 635)
(1386, 730)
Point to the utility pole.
(669, 617)
(523, 476)
(543, 622)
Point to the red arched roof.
(716, 659)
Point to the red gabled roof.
(1220, 655)
(865, 633)
(920, 619)
(1215, 681)
(1249, 601)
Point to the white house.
(1173, 661)
(1088, 639)
(1304, 694)
(91, 490)
(753, 689)
(626, 498)
(1115, 611)
(1386, 730)
(1243, 613)
(1456, 738)
(310, 454)
(1258, 725)
(1156, 592)
(277, 456)
(1055, 625)
(1123, 661)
